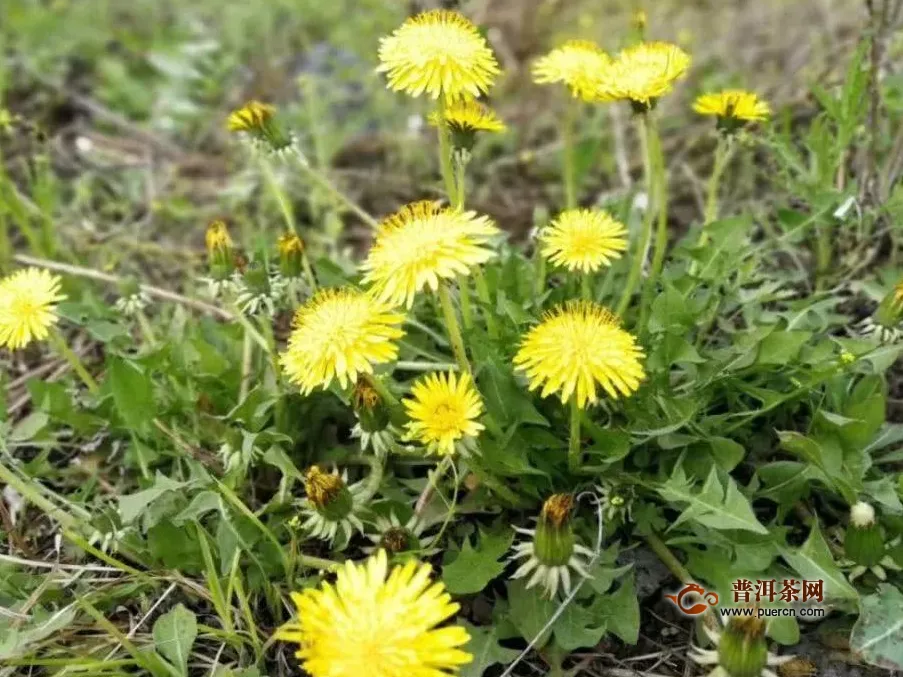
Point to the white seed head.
(862, 514)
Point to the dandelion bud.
(371, 411)
(258, 121)
(291, 251)
(863, 541)
(639, 21)
(464, 119)
(552, 553)
(219, 249)
(328, 493)
(554, 536)
(743, 650)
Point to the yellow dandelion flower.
(338, 334)
(421, 244)
(584, 240)
(28, 301)
(438, 52)
(217, 237)
(577, 63)
(378, 623)
(444, 410)
(898, 293)
(644, 72)
(733, 106)
(253, 117)
(577, 346)
(468, 116)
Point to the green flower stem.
(466, 310)
(452, 327)
(540, 270)
(285, 206)
(323, 182)
(723, 152)
(574, 440)
(59, 342)
(432, 483)
(446, 162)
(568, 167)
(35, 497)
(247, 362)
(374, 479)
(659, 205)
(483, 294)
(586, 286)
(645, 130)
(668, 559)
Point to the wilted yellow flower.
(732, 106)
(643, 73)
(577, 346)
(340, 333)
(439, 52)
(467, 116)
(421, 244)
(583, 240)
(368, 624)
(28, 301)
(577, 63)
(444, 411)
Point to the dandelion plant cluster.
(359, 443)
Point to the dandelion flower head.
(424, 243)
(578, 64)
(339, 334)
(468, 116)
(444, 409)
(439, 52)
(578, 347)
(584, 240)
(733, 105)
(378, 623)
(28, 301)
(644, 73)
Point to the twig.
(91, 274)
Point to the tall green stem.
(446, 162)
(586, 286)
(723, 152)
(59, 342)
(454, 330)
(668, 559)
(247, 357)
(574, 442)
(646, 132)
(568, 168)
(660, 204)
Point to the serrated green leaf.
(132, 505)
(782, 347)
(813, 561)
(530, 611)
(174, 634)
(132, 393)
(578, 627)
(486, 651)
(621, 611)
(713, 505)
(878, 634)
(473, 568)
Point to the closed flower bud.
(291, 251)
(258, 121)
(742, 649)
(863, 541)
(328, 494)
(554, 539)
(219, 249)
(371, 411)
(890, 310)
